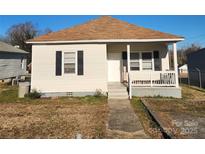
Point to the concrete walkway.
(122, 121)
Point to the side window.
(134, 62)
(69, 62)
(22, 63)
(147, 61)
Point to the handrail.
(153, 78)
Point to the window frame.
(152, 60)
(135, 60)
(76, 65)
(22, 63)
(141, 60)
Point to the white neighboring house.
(12, 61)
(183, 69)
(78, 60)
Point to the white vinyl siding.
(43, 76)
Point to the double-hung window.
(134, 61)
(69, 62)
(147, 61)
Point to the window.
(22, 63)
(69, 62)
(134, 62)
(147, 61)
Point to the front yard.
(51, 118)
(67, 117)
(179, 118)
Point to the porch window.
(134, 62)
(69, 62)
(147, 61)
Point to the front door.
(114, 67)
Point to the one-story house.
(183, 69)
(12, 61)
(196, 68)
(100, 55)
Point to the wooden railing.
(153, 79)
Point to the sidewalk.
(122, 121)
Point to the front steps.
(117, 90)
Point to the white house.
(183, 69)
(101, 54)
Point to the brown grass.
(168, 109)
(53, 118)
(150, 127)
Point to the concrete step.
(116, 86)
(118, 97)
(117, 90)
(117, 93)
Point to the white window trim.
(140, 60)
(22, 63)
(134, 60)
(76, 64)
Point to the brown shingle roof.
(105, 27)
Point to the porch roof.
(104, 29)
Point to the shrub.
(98, 93)
(34, 94)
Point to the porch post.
(175, 63)
(128, 70)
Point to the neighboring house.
(79, 60)
(12, 61)
(196, 68)
(183, 71)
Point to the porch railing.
(153, 79)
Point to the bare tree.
(182, 54)
(20, 33)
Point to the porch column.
(128, 70)
(175, 63)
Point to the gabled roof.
(105, 28)
(4, 47)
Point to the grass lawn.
(150, 127)
(182, 118)
(51, 118)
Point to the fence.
(195, 77)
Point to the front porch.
(145, 68)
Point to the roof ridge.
(105, 27)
